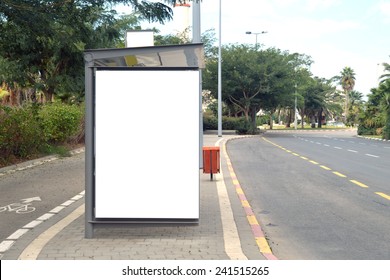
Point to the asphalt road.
(321, 195)
(29, 193)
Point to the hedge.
(25, 130)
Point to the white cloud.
(314, 5)
(384, 8)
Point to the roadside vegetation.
(42, 78)
(42, 67)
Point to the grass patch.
(59, 150)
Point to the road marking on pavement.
(339, 174)
(370, 155)
(383, 195)
(338, 148)
(32, 251)
(230, 232)
(325, 167)
(231, 238)
(10, 240)
(257, 231)
(359, 183)
(352, 151)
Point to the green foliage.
(29, 130)
(363, 130)
(42, 42)
(59, 121)
(254, 79)
(240, 125)
(20, 133)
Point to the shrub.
(210, 122)
(60, 121)
(20, 132)
(363, 130)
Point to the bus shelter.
(143, 116)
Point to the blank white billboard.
(139, 38)
(147, 144)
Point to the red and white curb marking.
(257, 231)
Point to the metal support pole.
(220, 73)
(89, 152)
(196, 38)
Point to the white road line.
(17, 234)
(352, 151)
(326, 145)
(10, 240)
(374, 156)
(338, 148)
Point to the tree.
(253, 80)
(385, 76)
(355, 106)
(43, 41)
(347, 81)
(375, 119)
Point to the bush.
(20, 132)
(210, 122)
(60, 121)
(362, 130)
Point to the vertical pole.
(89, 153)
(220, 73)
(196, 38)
(295, 109)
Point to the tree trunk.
(320, 119)
(302, 117)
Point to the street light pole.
(220, 73)
(255, 33)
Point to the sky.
(334, 33)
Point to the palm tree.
(347, 81)
(385, 76)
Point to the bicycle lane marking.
(257, 231)
(21, 208)
(6, 244)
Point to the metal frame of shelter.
(188, 56)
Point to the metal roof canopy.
(186, 55)
(183, 57)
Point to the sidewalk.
(223, 231)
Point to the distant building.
(182, 18)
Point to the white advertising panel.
(147, 144)
(139, 38)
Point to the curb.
(35, 162)
(371, 138)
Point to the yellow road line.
(313, 162)
(325, 167)
(359, 184)
(383, 195)
(339, 174)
